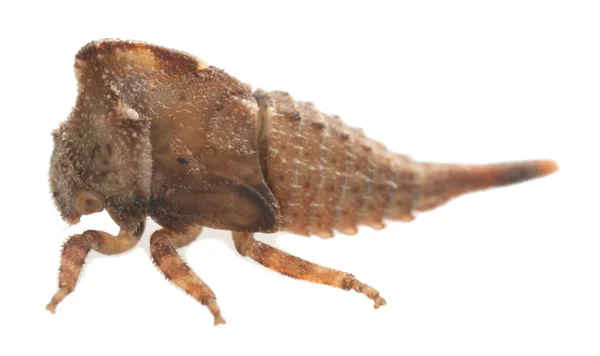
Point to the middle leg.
(162, 247)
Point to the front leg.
(76, 249)
(295, 267)
(162, 246)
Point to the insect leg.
(295, 267)
(76, 249)
(162, 246)
(182, 240)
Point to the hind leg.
(162, 246)
(75, 251)
(295, 267)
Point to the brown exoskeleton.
(159, 133)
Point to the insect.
(158, 133)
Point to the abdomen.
(326, 175)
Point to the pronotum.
(158, 133)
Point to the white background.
(514, 271)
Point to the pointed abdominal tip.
(546, 167)
(522, 171)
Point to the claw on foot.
(51, 307)
(370, 292)
(379, 302)
(56, 299)
(219, 320)
(216, 312)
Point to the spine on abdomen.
(326, 175)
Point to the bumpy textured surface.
(158, 133)
(327, 176)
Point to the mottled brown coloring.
(158, 133)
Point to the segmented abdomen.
(326, 175)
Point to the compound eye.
(86, 203)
